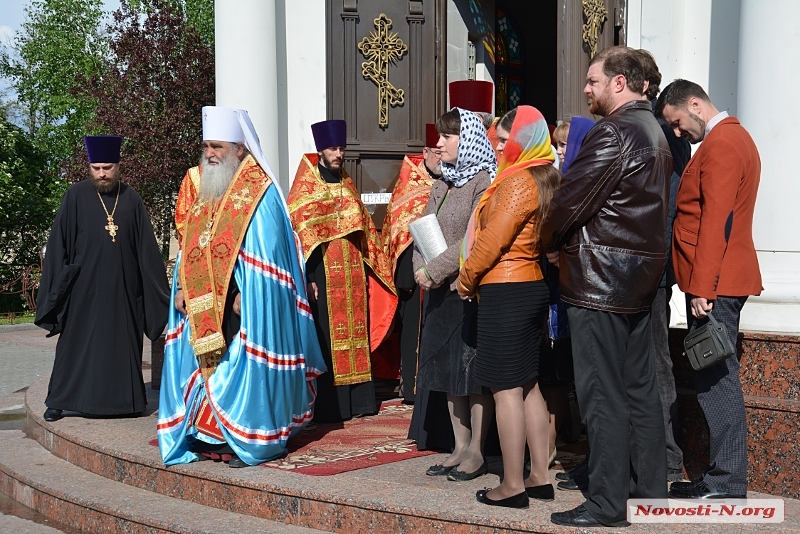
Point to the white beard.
(215, 179)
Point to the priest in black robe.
(103, 286)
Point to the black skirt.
(510, 325)
(448, 344)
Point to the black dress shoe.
(578, 471)
(460, 476)
(700, 490)
(515, 501)
(580, 517)
(545, 492)
(439, 470)
(674, 474)
(51, 414)
(575, 484)
(237, 463)
(684, 485)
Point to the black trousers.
(659, 346)
(615, 381)
(719, 392)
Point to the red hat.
(431, 135)
(472, 95)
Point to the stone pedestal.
(771, 384)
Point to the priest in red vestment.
(351, 290)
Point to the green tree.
(29, 197)
(60, 40)
(198, 14)
(150, 91)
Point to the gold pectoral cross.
(382, 48)
(205, 235)
(112, 229)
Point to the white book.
(428, 236)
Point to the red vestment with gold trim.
(361, 294)
(409, 200)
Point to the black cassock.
(100, 296)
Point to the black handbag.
(708, 344)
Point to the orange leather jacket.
(507, 248)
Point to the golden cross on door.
(380, 49)
(595, 12)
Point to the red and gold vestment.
(361, 295)
(409, 200)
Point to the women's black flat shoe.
(515, 501)
(460, 476)
(439, 470)
(545, 492)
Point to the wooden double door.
(385, 78)
(387, 68)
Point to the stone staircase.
(104, 475)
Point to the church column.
(246, 67)
(767, 108)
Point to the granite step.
(391, 498)
(75, 497)
(387, 499)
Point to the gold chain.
(111, 227)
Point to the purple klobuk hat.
(329, 133)
(103, 148)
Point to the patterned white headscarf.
(475, 152)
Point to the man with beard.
(241, 354)
(409, 199)
(716, 265)
(103, 286)
(349, 277)
(605, 231)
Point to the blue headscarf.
(475, 152)
(578, 128)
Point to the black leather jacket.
(609, 215)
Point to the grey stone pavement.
(26, 355)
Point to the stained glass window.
(509, 64)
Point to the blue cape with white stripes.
(263, 390)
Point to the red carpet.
(339, 447)
(364, 442)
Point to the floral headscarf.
(528, 145)
(475, 152)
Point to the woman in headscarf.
(502, 264)
(448, 340)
